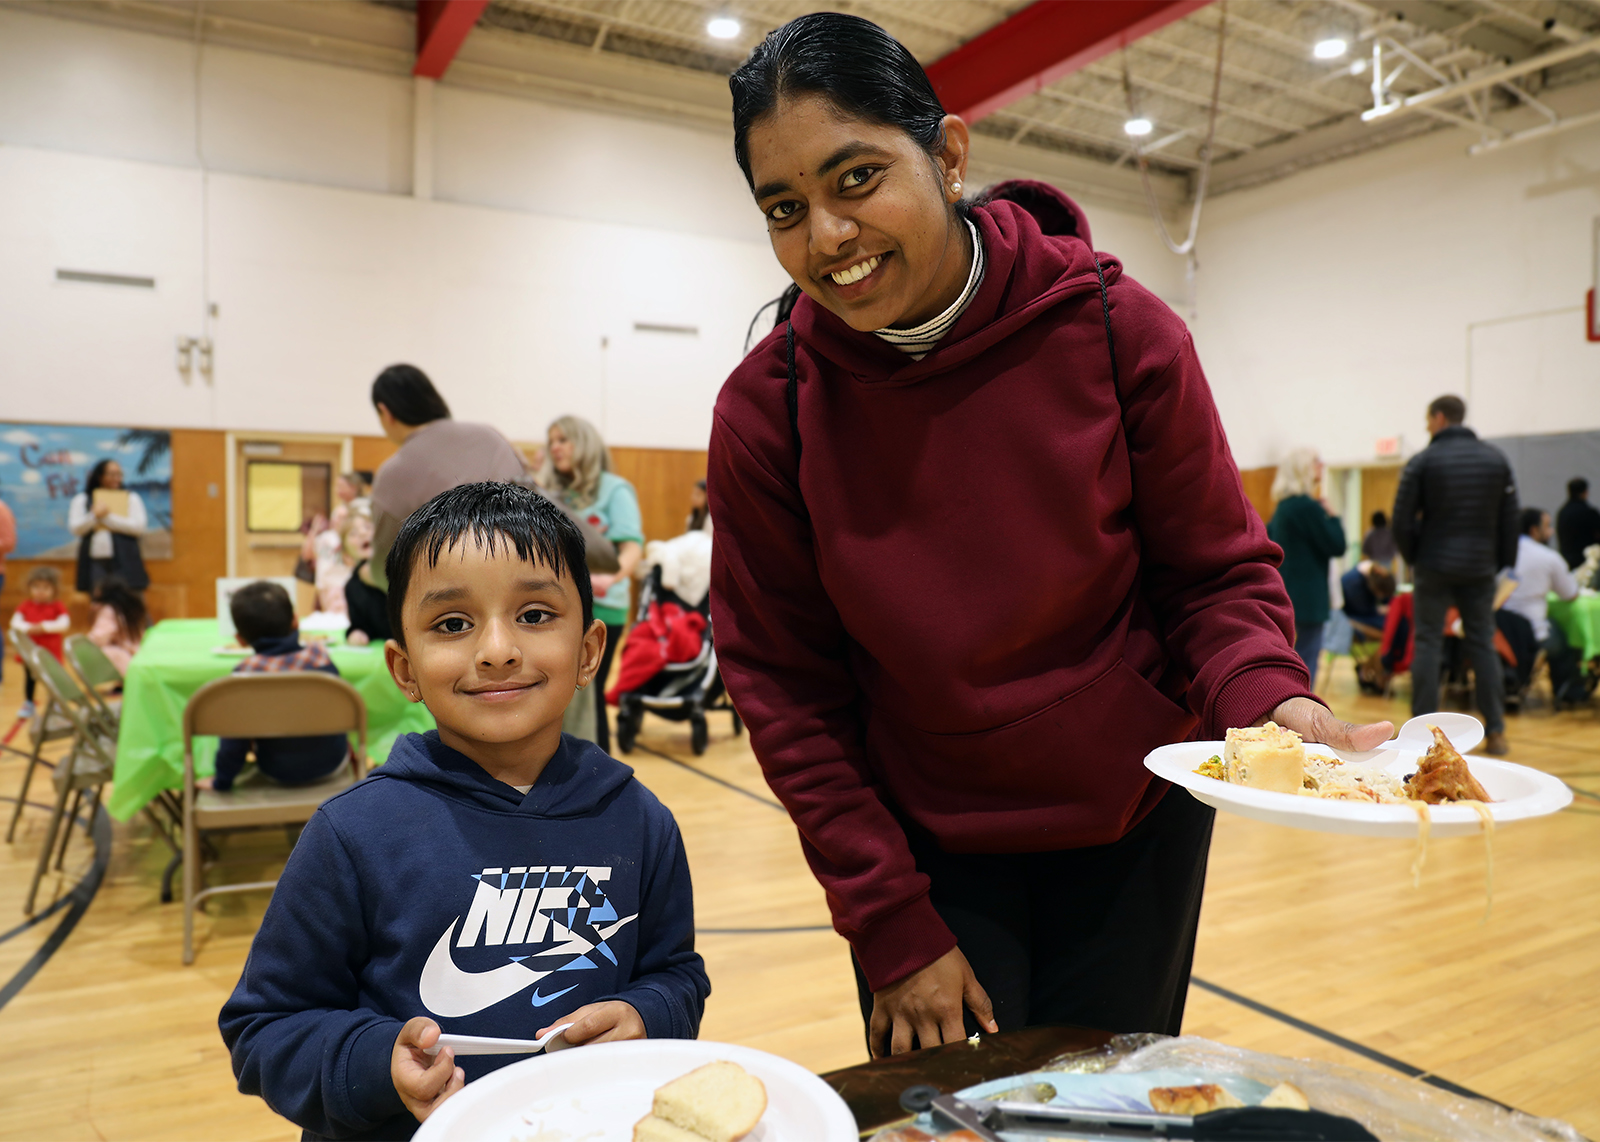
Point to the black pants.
(1566, 667)
(602, 729)
(1474, 597)
(1099, 937)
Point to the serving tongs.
(1237, 1124)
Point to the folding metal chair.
(87, 766)
(96, 670)
(261, 706)
(47, 725)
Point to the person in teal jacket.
(1310, 535)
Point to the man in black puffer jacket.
(1455, 522)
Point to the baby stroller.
(679, 691)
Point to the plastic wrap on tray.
(1097, 1059)
(1395, 1108)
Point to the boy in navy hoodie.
(495, 876)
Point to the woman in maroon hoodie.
(981, 546)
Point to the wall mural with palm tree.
(42, 466)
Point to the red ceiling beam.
(441, 27)
(1041, 43)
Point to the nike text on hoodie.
(433, 889)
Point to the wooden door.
(279, 483)
(1378, 485)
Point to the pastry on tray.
(1199, 1099)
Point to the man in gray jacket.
(1455, 522)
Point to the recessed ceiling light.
(1138, 127)
(722, 27)
(1330, 48)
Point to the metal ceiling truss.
(1473, 90)
(1508, 71)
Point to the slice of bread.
(653, 1129)
(719, 1101)
(1270, 757)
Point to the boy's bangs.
(529, 546)
(486, 515)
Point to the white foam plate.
(1519, 793)
(597, 1093)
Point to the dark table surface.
(872, 1090)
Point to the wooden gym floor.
(112, 1038)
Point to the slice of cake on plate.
(1265, 757)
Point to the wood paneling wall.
(1258, 488)
(199, 525)
(184, 587)
(180, 587)
(367, 453)
(663, 478)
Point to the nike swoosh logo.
(448, 991)
(541, 1000)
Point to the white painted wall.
(1335, 304)
(318, 288)
(552, 231)
(1332, 305)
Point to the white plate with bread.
(1517, 793)
(652, 1090)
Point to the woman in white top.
(110, 543)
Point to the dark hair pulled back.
(409, 395)
(852, 63)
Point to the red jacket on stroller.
(668, 634)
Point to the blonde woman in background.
(577, 472)
(1310, 535)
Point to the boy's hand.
(423, 1081)
(599, 1023)
(206, 783)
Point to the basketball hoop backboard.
(1592, 329)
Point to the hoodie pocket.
(1068, 775)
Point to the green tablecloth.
(1579, 620)
(175, 660)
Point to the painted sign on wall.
(42, 466)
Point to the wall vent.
(105, 279)
(655, 327)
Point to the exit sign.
(1387, 446)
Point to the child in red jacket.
(43, 618)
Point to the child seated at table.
(117, 622)
(494, 874)
(263, 619)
